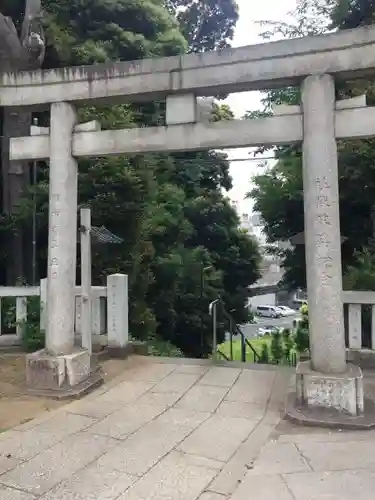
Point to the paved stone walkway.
(183, 432)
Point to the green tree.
(278, 191)
(207, 24)
(347, 14)
(361, 275)
(264, 354)
(207, 226)
(302, 339)
(168, 209)
(277, 347)
(288, 343)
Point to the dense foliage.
(182, 245)
(278, 191)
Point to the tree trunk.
(18, 54)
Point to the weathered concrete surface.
(322, 226)
(341, 392)
(46, 372)
(181, 430)
(355, 123)
(255, 67)
(62, 232)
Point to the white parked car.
(286, 311)
(268, 311)
(267, 330)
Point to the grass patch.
(257, 344)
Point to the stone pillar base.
(60, 377)
(326, 400)
(341, 392)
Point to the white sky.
(247, 33)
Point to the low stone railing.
(359, 315)
(20, 294)
(360, 319)
(109, 309)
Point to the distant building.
(256, 219)
(246, 224)
(254, 225)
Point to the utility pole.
(202, 271)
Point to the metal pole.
(85, 216)
(212, 312)
(34, 181)
(202, 271)
(201, 308)
(231, 338)
(231, 333)
(34, 228)
(214, 326)
(243, 349)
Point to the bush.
(33, 338)
(288, 343)
(277, 347)
(8, 316)
(302, 339)
(157, 347)
(264, 354)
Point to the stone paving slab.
(113, 399)
(172, 477)
(160, 399)
(316, 435)
(203, 398)
(343, 485)
(218, 438)
(234, 471)
(200, 461)
(8, 462)
(240, 409)
(150, 372)
(126, 392)
(210, 495)
(265, 488)
(94, 482)
(177, 383)
(175, 431)
(196, 369)
(236, 468)
(186, 418)
(124, 422)
(25, 445)
(96, 409)
(252, 387)
(328, 456)
(146, 447)
(221, 376)
(280, 458)
(11, 494)
(65, 423)
(51, 466)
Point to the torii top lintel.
(268, 65)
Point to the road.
(250, 329)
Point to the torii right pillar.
(327, 387)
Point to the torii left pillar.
(61, 367)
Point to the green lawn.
(257, 344)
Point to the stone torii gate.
(312, 62)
